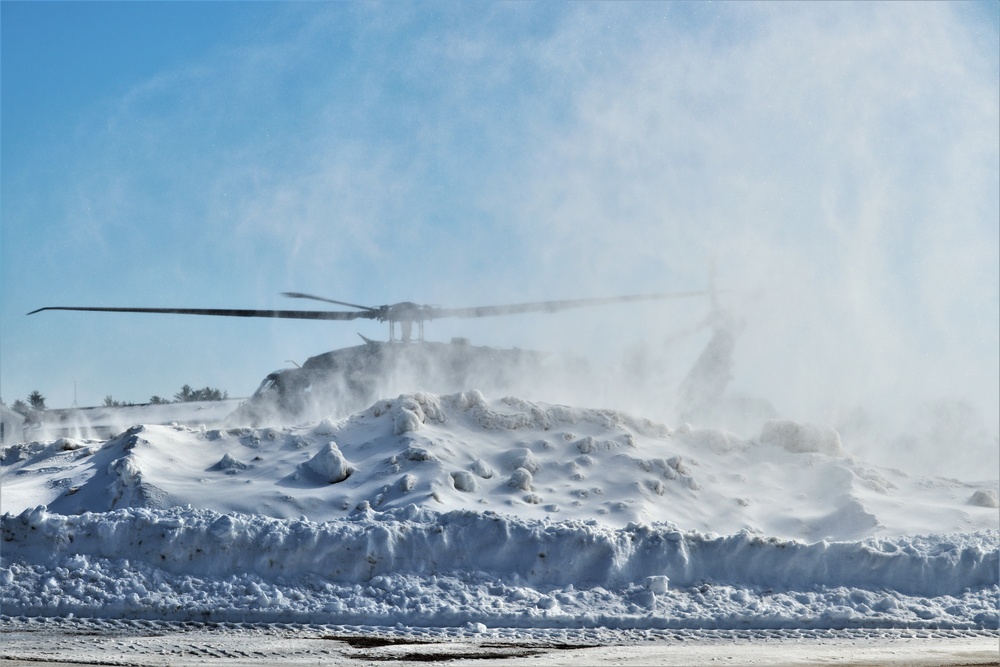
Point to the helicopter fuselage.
(343, 381)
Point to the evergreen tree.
(36, 400)
(184, 395)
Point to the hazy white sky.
(839, 161)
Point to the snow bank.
(122, 558)
(542, 553)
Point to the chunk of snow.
(406, 421)
(985, 498)
(229, 464)
(522, 457)
(657, 583)
(325, 428)
(330, 464)
(464, 481)
(482, 469)
(521, 479)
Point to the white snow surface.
(430, 510)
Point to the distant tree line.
(36, 402)
(187, 395)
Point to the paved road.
(39, 644)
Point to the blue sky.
(839, 159)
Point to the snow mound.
(455, 510)
(510, 456)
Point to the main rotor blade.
(227, 312)
(553, 306)
(300, 295)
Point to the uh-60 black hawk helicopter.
(348, 379)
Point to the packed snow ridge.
(430, 509)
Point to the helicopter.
(339, 382)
